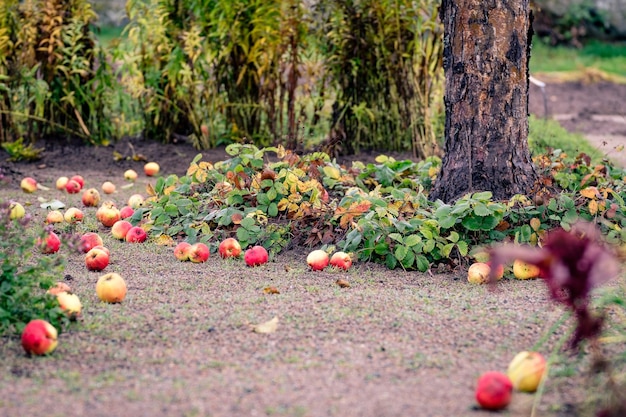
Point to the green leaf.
(412, 240)
(391, 261)
(247, 222)
(272, 194)
(422, 263)
(401, 252)
(481, 209)
(454, 237)
(463, 247)
(429, 245)
(242, 235)
(408, 260)
(480, 223)
(381, 248)
(263, 199)
(272, 210)
(483, 196)
(446, 249)
(447, 222)
(397, 237)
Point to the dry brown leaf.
(267, 327)
(271, 290)
(343, 283)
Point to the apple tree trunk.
(486, 51)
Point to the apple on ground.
(16, 211)
(151, 169)
(181, 251)
(130, 175)
(96, 259)
(256, 256)
(39, 337)
(91, 197)
(100, 247)
(73, 215)
(494, 390)
(136, 234)
(72, 187)
(499, 273)
(229, 248)
(126, 212)
(70, 303)
(526, 371)
(317, 260)
(108, 214)
(58, 288)
(89, 241)
(79, 179)
(120, 229)
(111, 288)
(28, 185)
(51, 244)
(108, 187)
(524, 270)
(198, 252)
(61, 183)
(135, 201)
(341, 260)
(478, 273)
(54, 216)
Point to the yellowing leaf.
(589, 192)
(271, 290)
(267, 327)
(164, 240)
(593, 207)
(150, 190)
(535, 223)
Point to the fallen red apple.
(523, 270)
(478, 273)
(73, 215)
(526, 371)
(17, 211)
(198, 252)
(499, 272)
(88, 241)
(181, 251)
(70, 303)
(91, 197)
(111, 288)
(28, 185)
(79, 179)
(59, 287)
(255, 256)
(494, 390)
(341, 260)
(61, 182)
(135, 201)
(126, 212)
(72, 187)
(108, 187)
(108, 252)
(96, 259)
(136, 235)
(39, 337)
(54, 216)
(51, 244)
(130, 175)
(120, 229)
(108, 214)
(151, 169)
(229, 248)
(317, 260)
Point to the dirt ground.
(395, 343)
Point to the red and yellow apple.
(341, 260)
(70, 303)
(79, 179)
(499, 273)
(130, 175)
(317, 260)
(478, 273)
(111, 288)
(229, 248)
(136, 234)
(135, 201)
(151, 169)
(39, 337)
(91, 197)
(28, 185)
(72, 187)
(89, 240)
(198, 252)
(494, 390)
(73, 215)
(256, 256)
(120, 229)
(50, 244)
(61, 183)
(108, 187)
(526, 371)
(126, 212)
(96, 259)
(58, 288)
(524, 270)
(108, 214)
(181, 251)
(54, 216)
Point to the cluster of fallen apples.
(40, 337)
(479, 272)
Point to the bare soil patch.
(395, 343)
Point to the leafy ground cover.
(394, 343)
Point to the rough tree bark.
(486, 51)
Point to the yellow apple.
(17, 211)
(70, 303)
(111, 288)
(478, 273)
(526, 371)
(524, 270)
